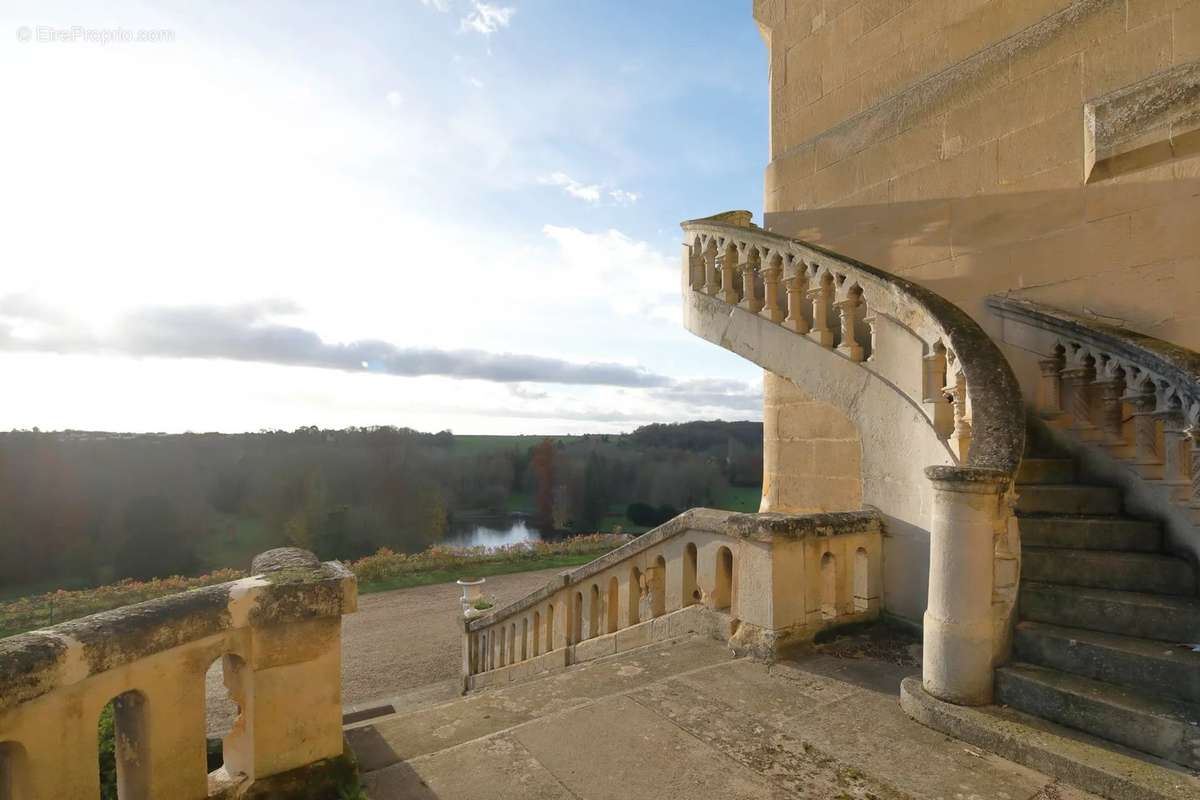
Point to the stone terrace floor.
(683, 719)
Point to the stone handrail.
(1092, 373)
(748, 565)
(277, 635)
(966, 384)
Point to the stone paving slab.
(618, 749)
(682, 719)
(406, 736)
(486, 769)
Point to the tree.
(154, 544)
(542, 462)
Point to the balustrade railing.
(966, 387)
(277, 636)
(757, 579)
(1133, 395)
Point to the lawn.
(739, 498)
(477, 571)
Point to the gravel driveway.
(397, 642)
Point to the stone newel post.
(958, 652)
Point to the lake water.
(491, 532)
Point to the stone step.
(1160, 726)
(1046, 470)
(1092, 533)
(1151, 616)
(1068, 499)
(1168, 669)
(1109, 569)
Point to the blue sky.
(434, 213)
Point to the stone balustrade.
(959, 377)
(892, 356)
(761, 581)
(1131, 396)
(278, 637)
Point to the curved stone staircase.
(1106, 619)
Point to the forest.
(84, 508)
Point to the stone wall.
(812, 456)
(1039, 147)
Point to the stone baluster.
(771, 309)
(797, 291)
(934, 392)
(1177, 456)
(848, 310)
(712, 275)
(728, 264)
(956, 392)
(1049, 396)
(1077, 380)
(750, 300)
(870, 320)
(1147, 459)
(1193, 434)
(1110, 415)
(820, 296)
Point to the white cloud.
(580, 191)
(487, 18)
(475, 81)
(624, 198)
(588, 192)
(440, 5)
(395, 99)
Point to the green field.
(739, 498)
(477, 571)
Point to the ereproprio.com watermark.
(74, 34)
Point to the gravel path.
(397, 642)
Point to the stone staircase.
(1106, 619)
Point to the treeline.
(84, 508)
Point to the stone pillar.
(959, 631)
(1049, 397)
(820, 297)
(771, 309)
(1177, 467)
(1193, 433)
(712, 276)
(1078, 381)
(750, 300)
(1146, 457)
(728, 263)
(797, 289)
(848, 310)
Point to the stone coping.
(758, 527)
(36, 663)
(1177, 364)
(997, 409)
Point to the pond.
(492, 532)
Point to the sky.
(440, 214)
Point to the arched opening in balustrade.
(14, 771)
(125, 758)
(524, 638)
(537, 634)
(862, 580)
(828, 586)
(577, 619)
(549, 627)
(614, 604)
(226, 689)
(658, 588)
(723, 586)
(594, 612)
(635, 595)
(512, 643)
(691, 590)
(501, 655)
